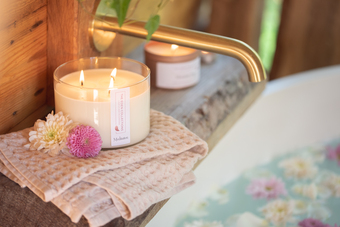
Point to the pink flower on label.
(334, 153)
(310, 222)
(268, 188)
(84, 141)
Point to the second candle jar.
(172, 66)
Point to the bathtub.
(292, 112)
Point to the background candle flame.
(173, 47)
(113, 74)
(81, 78)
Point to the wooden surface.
(68, 36)
(208, 109)
(23, 29)
(239, 19)
(308, 37)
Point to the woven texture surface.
(122, 182)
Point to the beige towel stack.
(122, 182)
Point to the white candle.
(90, 104)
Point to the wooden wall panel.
(308, 38)
(22, 60)
(238, 19)
(61, 38)
(68, 37)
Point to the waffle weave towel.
(122, 182)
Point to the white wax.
(91, 106)
(164, 49)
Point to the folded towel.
(122, 182)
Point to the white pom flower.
(50, 136)
(333, 183)
(279, 211)
(300, 207)
(307, 190)
(219, 194)
(198, 208)
(299, 168)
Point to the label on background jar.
(120, 116)
(178, 75)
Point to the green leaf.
(152, 25)
(121, 7)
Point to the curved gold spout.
(192, 39)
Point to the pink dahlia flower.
(334, 153)
(310, 222)
(84, 141)
(268, 188)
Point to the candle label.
(120, 116)
(178, 75)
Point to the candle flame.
(111, 83)
(174, 47)
(113, 74)
(81, 78)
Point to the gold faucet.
(193, 39)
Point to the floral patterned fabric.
(299, 189)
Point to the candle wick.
(112, 84)
(82, 83)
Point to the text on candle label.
(120, 116)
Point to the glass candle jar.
(172, 66)
(110, 94)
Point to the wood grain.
(308, 36)
(62, 38)
(238, 19)
(22, 60)
(68, 36)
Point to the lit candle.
(116, 102)
(172, 66)
(81, 78)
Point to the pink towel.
(122, 182)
